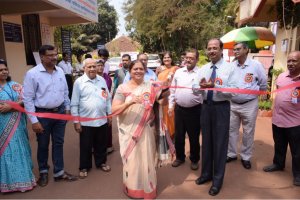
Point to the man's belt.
(49, 109)
(214, 102)
(240, 103)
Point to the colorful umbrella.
(256, 37)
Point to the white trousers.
(244, 114)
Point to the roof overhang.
(257, 11)
(59, 12)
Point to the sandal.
(104, 167)
(83, 173)
(66, 177)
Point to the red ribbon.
(19, 108)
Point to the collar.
(296, 78)
(217, 64)
(193, 70)
(85, 78)
(41, 67)
(246, 64)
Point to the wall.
(2, 52)
(47, 31)
(15, 53)
(292, 36)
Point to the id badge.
(295, 96)
(294, 100)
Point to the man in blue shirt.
(46, 90)
(215, 116)
(248, 74)
(149, 75)
(91, 98)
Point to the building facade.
(26, 25)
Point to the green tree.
(176, 25)
(106, 27)
(85, 37)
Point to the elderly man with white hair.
(91, 98)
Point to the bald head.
(293, 63)
(296, 53)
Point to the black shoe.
(297, 181)
(194, 165)
(229, 159)
(202, 180)
(213, 191)
(43, 180)
(177, 163)
(272, 168)
(246, 164)
(66, 177)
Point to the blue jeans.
(56, 129)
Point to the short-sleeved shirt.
(91, 98)
(286, 113)
(250, 76)
(185, 97)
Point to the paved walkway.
(173, 183)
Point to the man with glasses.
(120, 73)
(215, 116)
(149, 75)
(187, 106)
(248, 74)
(46, 90)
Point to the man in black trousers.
(215, 116)
(187, 106)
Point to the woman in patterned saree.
(15, 154)
(134, 101)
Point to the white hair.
(88, 60)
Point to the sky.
(121, 24)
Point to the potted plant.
(265, 108)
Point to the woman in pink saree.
(137, 135)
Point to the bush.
(265, 104)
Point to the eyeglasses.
(51, 55)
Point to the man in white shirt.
(187, 106)
(66, 66)
(91, 98)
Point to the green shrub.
(265, 104)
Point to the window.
(32, 36)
